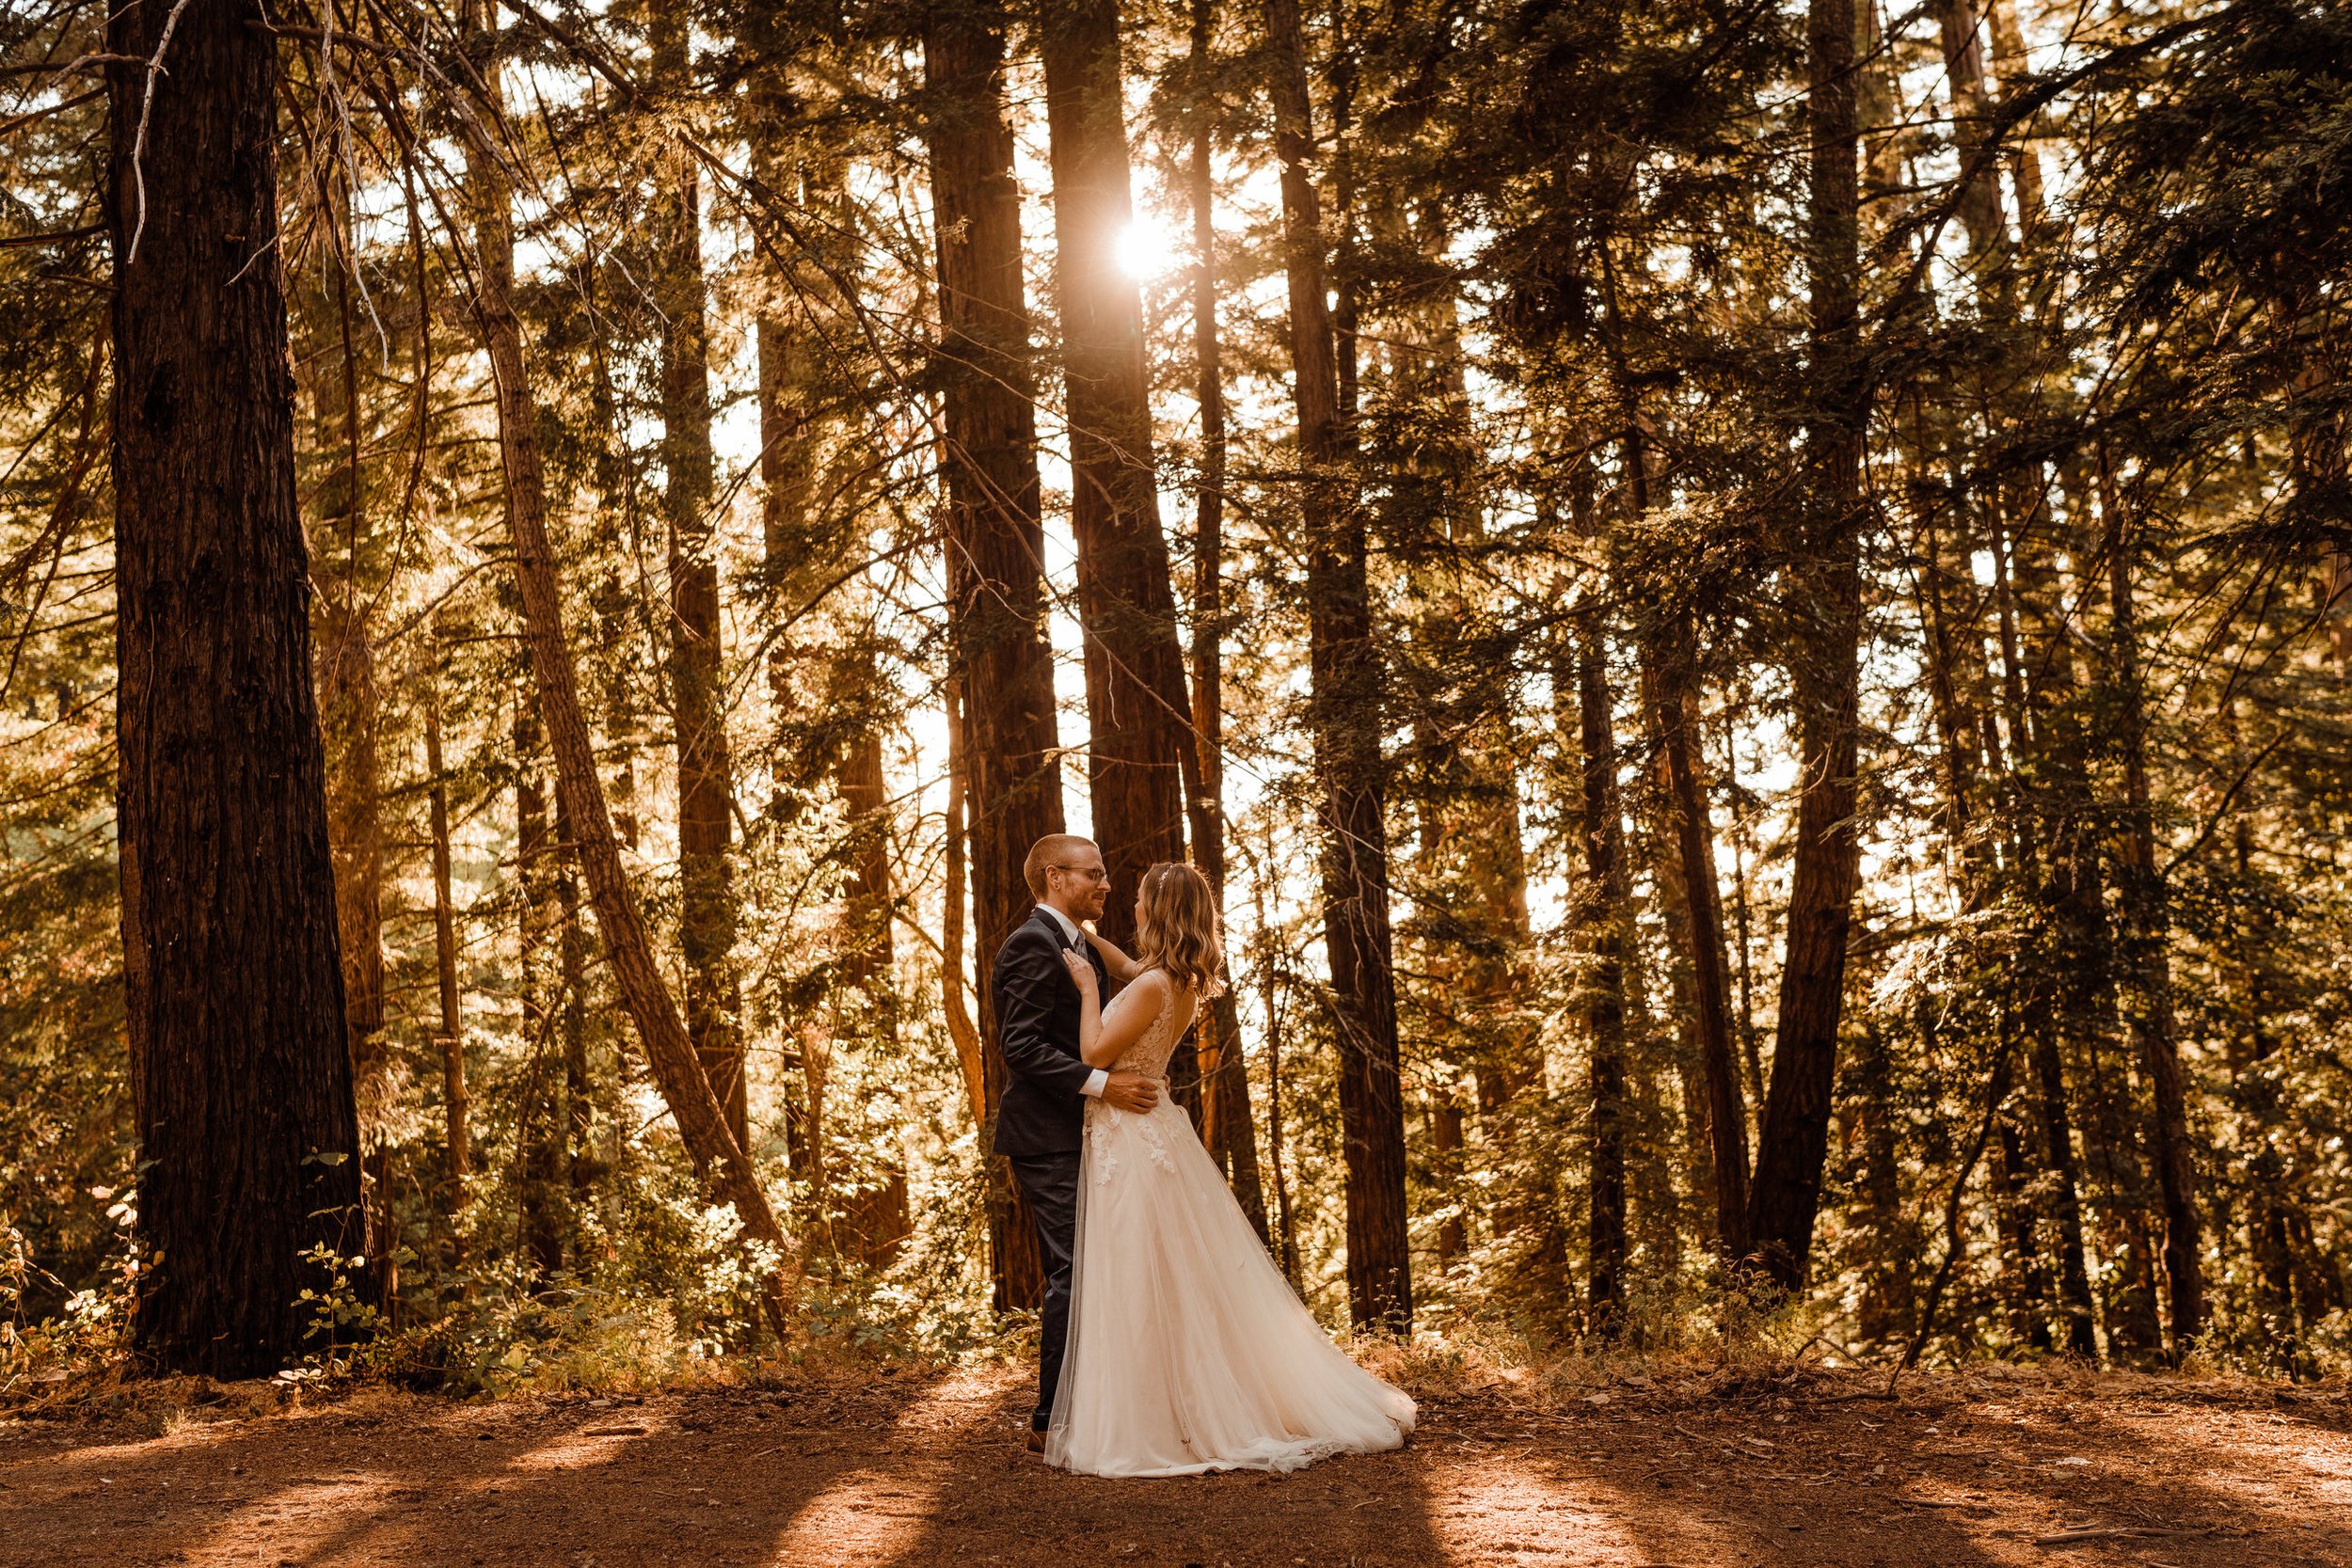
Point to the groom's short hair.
(1045, 854)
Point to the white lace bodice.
(1149, 1056)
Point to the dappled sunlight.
(2303, 1473)
(867, 1516)
(294, 1521)
(927, 1473)
(1509, 1511)
(871, 1514)
(591, 1445)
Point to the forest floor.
(1999, 1467)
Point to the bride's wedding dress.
(1187, 1349)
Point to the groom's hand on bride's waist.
(1131, 1091)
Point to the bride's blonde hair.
(1179, 928)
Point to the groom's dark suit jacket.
(1044, 1111)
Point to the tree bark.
(1980, 216)
(961, 1032)
(1826, 675)
(719, 1161)
(234, 998)
(2147, 956)
(327, 367)
(708, 914)
(1344, 666)
(345, 663)
(865, 801)
(2035, 1006)
(1668, 654)
(1136, 698)
(579, 1163)
(1601, 915)
(994, 539)
(538, 1116)
(877, 1213)
(1225, 1071)
(2266, 1173)
(788, 162)
(2058, 1138)
(1286, 1230)
(450, 1037)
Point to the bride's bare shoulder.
(1152, 985)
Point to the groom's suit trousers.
(1050, 1182)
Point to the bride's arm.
(1122, 968)
(1102, 1039)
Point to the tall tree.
(1225, 1077)
(1825, 605)
(994, 539)
(1602, 918)
(241, 1075)
(1136, 698)
(449, 1036)
(348, 698)
(349, 702)
(2045, 742)
(708, 916)
(1671, 700)
(718, 1159)
(538, 1114)
(2148, 935)
(1344, 666)
(797, 167)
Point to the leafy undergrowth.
(568, 1348)
(500, 1337)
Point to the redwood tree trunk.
(2147, 945)
(538, 1117)
(961, 1032)
(449, 1036)
(241, 1079)
(344, 672)
(792, 438)
(1668, 654)
(1825, 590)
(879, 1220)
(1135, 696)
(1233, 1130)
(348, 702)
(1601, 915)
(580, 1161)
(1344, 666)
(994, 541)
(707, 918)
(2065, 1182)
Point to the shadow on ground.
(901, 1472)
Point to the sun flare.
(1148, 248)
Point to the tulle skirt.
(1188, 1351)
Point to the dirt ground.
(1993, 1469)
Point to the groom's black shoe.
(1036, 1442)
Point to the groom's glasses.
(1092, 873)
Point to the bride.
(1187, 1349)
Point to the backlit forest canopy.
(1748, 603)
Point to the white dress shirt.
(1096, 1080)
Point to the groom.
(1041, 1119)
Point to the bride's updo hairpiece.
(1180, 927)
